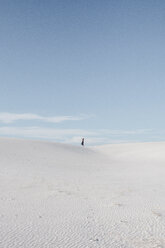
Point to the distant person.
(82, 142)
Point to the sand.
(63, 196)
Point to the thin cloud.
(53, 134)
(12, 117)
(45, 133)
(92, 137)
(125, 132)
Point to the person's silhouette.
(82, 142)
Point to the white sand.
(62, 196)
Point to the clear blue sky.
(98, 62)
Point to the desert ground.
(55, 195)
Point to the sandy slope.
(62, 196)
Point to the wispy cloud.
(47, 133)
(12, 117)
(92, 137)
(96, 136)
(125, 132)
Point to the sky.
(82, 68)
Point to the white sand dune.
(63, 196)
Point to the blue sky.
(73, 68)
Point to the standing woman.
(82, 142)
